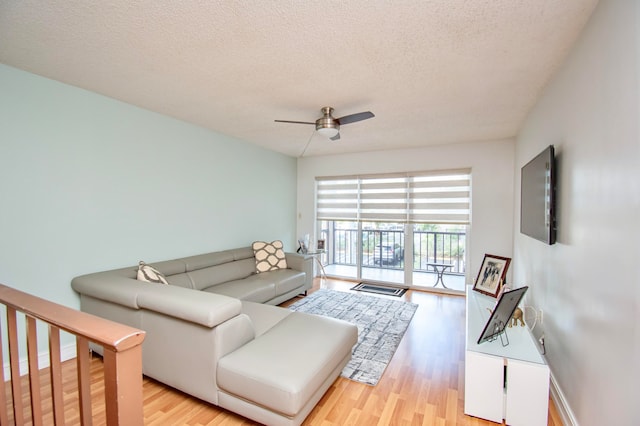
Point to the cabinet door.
(484, 386)
(527, 393)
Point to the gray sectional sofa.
(212, 332)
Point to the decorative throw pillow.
(150, 274)
(269, 256)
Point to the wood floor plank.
(423, 384)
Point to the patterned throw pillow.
(269, 256)
(150, 274)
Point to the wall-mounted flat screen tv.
(538, 197)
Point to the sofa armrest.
(304, 263)
(295, 261)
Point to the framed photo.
(320, 245)
(492, 274)
(302, 247)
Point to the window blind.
(417, 197)
(337, 199)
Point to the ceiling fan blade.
(355, 117)
(294, 122)
(336, 137)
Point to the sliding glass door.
(439, 248)
(383, 252)
(341, 242)
(396, 229)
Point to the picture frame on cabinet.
(492, 274)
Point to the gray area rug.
(381, 324)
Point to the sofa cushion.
(261, 288)
(269, 256)
(258, 372)
(286, 280)
(150, 274)
(256, 288)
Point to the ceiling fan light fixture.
(328, 132)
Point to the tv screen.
(501, 314)
(537, 197)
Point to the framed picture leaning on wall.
(491, 274)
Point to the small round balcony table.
(440, 268)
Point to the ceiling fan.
(329, 126)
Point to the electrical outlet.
(540, 316)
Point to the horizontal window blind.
(443, 197)
(337, 199)
(422, 197)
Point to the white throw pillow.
(150, 274)
(269, 256)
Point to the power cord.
(532, 326)
(541, 341)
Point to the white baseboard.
(67, 352)
(568, 418)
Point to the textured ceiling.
(433, 72)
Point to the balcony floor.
(421, 280)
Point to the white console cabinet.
(509, 383)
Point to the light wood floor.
(423, 384)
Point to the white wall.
(492, 186)
(588, 283)
(88, 183)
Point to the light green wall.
(88, 183)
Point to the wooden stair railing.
(122, 361)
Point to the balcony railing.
(428, 247)
(122, 364)
(439, 247)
